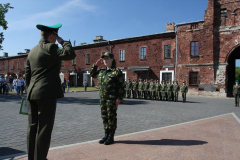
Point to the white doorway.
(167, 75)
(88, 79)
(73, 77)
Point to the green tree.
(237, 73)
(3, 23)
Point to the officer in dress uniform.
(44, 87)
(184, 90)
(236, 93)
(111, 91)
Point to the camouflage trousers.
(175, 96)
(109, 114)
(135, 93)
(140, 94)
(169, 93)
(184, 96)
(163, 94)
(145, 94)
(152, 94)
(129, 93)
(157, 95)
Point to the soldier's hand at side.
(59, 39)
(99, 62)
(117, 103)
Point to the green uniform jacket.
(184, 89)
(135, 85)
(140, 86)
(176, 88)
(236, 89)
(43, 68)
(157, 87)
(152, 87)
(111, 82)
(163, 87)
(129, 85)
(169, 87)
(146, 86)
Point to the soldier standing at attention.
(111, 91)
(176, 89)
(152, 89)
(169, 90)
(184, 90)
(172, 90)
(147, 89)
(125, 88)
(43, 88)
(140, 89)
(236, 92)
(144, 84)
(134, 89)
(128, 88)
(163, 90)
(157, 90)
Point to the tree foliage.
(3, 23)
(237, 73)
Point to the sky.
(83, 20)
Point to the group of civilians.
(64, 85)
(8, 84)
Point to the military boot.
(104, 138)
(110, 139)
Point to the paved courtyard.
(78, 118)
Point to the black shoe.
(110, 139)
(104, 138)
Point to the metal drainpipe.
(176, 52)
(110, 47)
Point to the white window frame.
(167, 71)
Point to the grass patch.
(77, 89)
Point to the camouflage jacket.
(111, 82)
(135, 85)
(140, 86)
(169, 87)
(152, 87)
(128, 85)
(176, 88)
(184, 89)
(157, 87)
(146, 86)
(163, 87)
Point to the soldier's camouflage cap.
(108, 54)
(53, 28)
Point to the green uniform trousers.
(135, 93)
(184, 96)
(236, 99)
(175, 96)
(152, 94)
(109, 114)
(41, 117)
(163, 93)
(157, 95)
(169, 93)
(140, 94)
(129, 93)
(146, 94)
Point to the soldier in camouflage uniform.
(184, 90)
(157, 90)
(172, 90)
(163, 90)
(125, 89)
(140, 89)
(169, 91)
(152, 89)
(111, 91)
(129, 88)
(176, 89)
(135, 88)
(146, 87)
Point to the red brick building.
(202, 53)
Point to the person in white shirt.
(15, 85)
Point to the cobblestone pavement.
(78, 117)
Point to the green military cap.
(53, 28)
(236, 81)
(157, 80)
(128, 78)
(184, 81)
(163, 81)
(108, 54)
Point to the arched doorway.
(230, 79)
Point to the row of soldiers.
(165, 91)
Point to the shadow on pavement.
(87, 101)
(170, 142)
(4, 151)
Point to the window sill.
(87, 64)
(167, 58)
(195, 56)
(121, 61)
(143, 59)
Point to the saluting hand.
(59, 39)
(99, 62)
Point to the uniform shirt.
(184, 88)
(111, 82)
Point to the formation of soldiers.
(153, 90)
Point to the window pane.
(196, 43)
